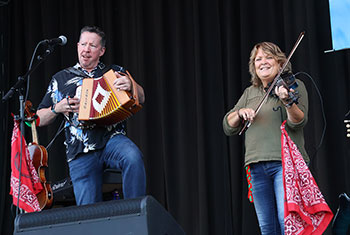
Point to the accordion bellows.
(102, 104)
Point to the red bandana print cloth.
(305, 209)
(30, 182)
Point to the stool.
(112, 187)
(63, 194)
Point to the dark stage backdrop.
(191, 57)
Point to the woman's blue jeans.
(268, 194)
(86, 171)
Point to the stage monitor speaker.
(139, 216)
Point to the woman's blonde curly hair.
(270, 49)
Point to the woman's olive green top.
(263, 137)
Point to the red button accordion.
(101, 103)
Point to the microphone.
(61, 40)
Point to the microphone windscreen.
(64, 40)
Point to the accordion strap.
(75, 71)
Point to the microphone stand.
(18, 87)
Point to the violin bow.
(248, 123)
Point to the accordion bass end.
(102, 104)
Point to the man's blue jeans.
(268, 194)
(86, 171)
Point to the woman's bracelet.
(288, 105)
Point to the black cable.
(322, 108)
(30, 67)
(347, 114)
(60, 129)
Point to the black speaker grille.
(79, 213)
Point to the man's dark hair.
(97, 30)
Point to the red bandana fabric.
(305, 209)
(30, 182)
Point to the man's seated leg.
(122, 153)
(86, 175)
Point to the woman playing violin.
(263, 138)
